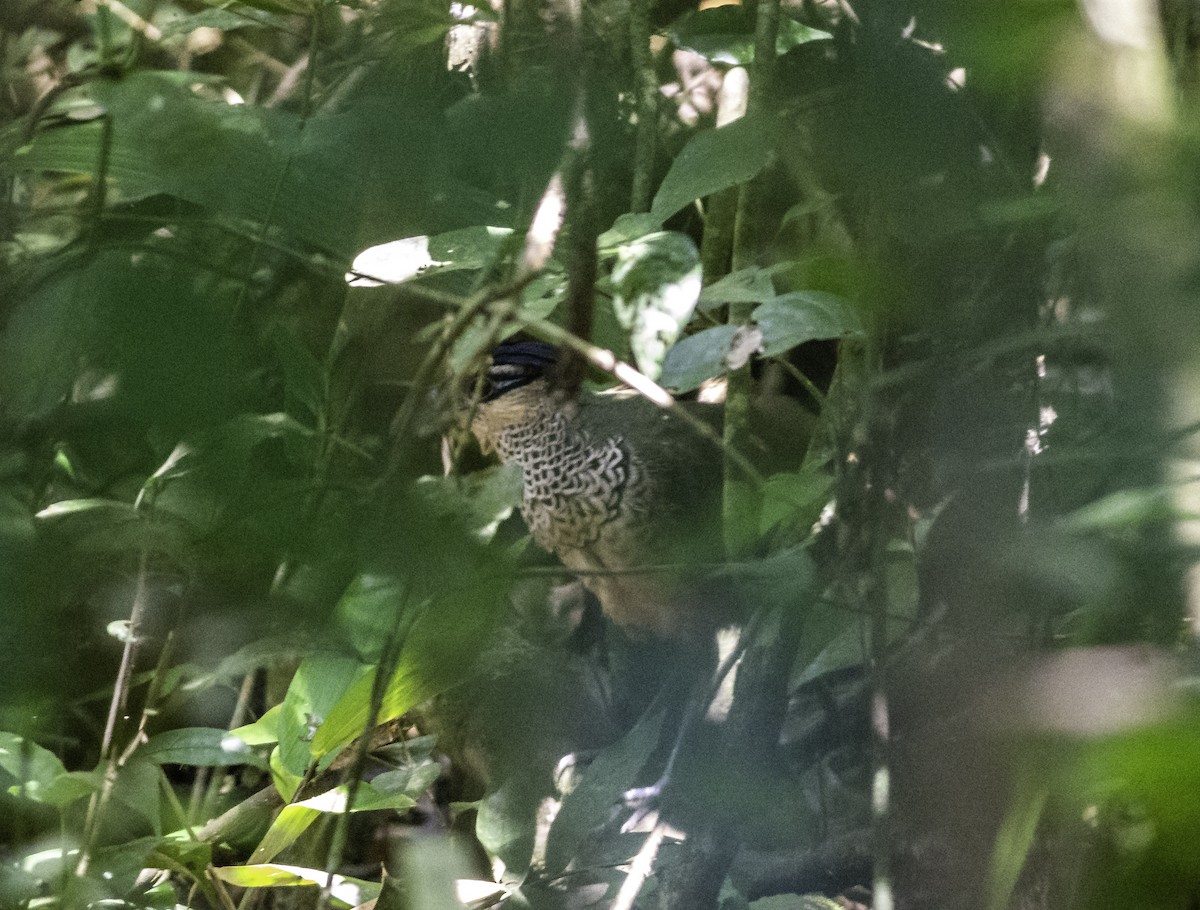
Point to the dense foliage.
(272, 624)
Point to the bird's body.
(622, 491)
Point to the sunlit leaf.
(319, 684)
(400, 260)
(657, 284)
(346, 891)
(263, 731)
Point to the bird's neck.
(517, 423)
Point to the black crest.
(517, 363)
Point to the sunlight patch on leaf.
(657, 283)
(402, 260)
(346, 891)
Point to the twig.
(640, 869)
(116, 708)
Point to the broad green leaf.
(627, 228)
(223, 19)
(349, 892)
(263, 731)
(35, 768)
(794, 499)
(249, 164)
(792, 319)
(70, 787)
(365, 612)
(401, 260)
(392, 790)
(286, 782)
(698, 357)
(748, 285)
(431, 868)
(320, 682)
(1124, 510)
(138, 791)
(713, 160)
(202, 746)
(454, 613)
(657, 284)
(725, 34)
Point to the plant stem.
(647, 105)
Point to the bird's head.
(515, 388)
(516, 364)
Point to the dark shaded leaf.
(792, 319)
(725, 34)
(200, 746)
(713, 160)
(697, 357)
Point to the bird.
(625, 493)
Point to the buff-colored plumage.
(614, 485)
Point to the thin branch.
(116, 709)
(640, 869)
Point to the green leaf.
(320, 682)
(70, 787)
(794, 499)
(201, 746)
(627, 228)
(248, 164)
(725, 34)
(1124, 510)
(792, 319)
(402, 260)
(481, 499)
(1014, 841)
(713, 160)
(657, 284)
(367, 600)
(394, 790)
(36, 769)
(698, 357)
(348, 892)
(225, 20)
(431, 867)
(748, 285)
(263, 731)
